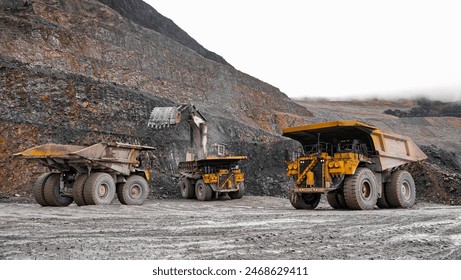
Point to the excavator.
(204, 174)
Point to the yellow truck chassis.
(212, 177)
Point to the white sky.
(333, 48)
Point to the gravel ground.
(250, 228)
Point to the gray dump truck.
(91, 175)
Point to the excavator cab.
(218, 150)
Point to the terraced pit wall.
(79, 72)
(42, 105)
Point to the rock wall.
(89, 38)
(41, 105)
(78, 72)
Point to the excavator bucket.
(162, 117)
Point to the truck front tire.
(203, 191)
(307, 201)
(187, 188)
(238, 194)
(360, 190)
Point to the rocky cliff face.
(91, 39)
(78, 72)
(146, 16)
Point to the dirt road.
(250, 228)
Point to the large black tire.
(187, 188)
(238, 194)
(38, 188)
(203, 191)
(305, 201)
(134, 191)
(360, 190)
(341, 200)
(99, 189)
(401, 192)
(336, 200)
(52, 193)
(382, 201)
(77, 189)
(119, 191)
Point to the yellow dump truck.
(91, 175)
(355, 164)
(205, 174)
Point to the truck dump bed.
(387, 149)
(117, 157)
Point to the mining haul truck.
(356, 165)
(203, 174)
(91, 175)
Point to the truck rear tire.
(38, 188)
(99, 189)
(134, 191)
(336, 200)
(52, 193)
(77, 189)
(238, 194)
(187, 189)
(307, 201)
(203, 191)
(401, 192)
(360, 190)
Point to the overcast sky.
(336, 48)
